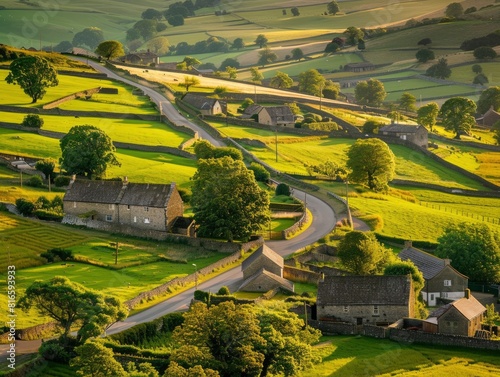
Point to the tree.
(232, 72)
(32, 121)
(439, 70)
(361, 44)
(473, 249)
(297, 54)
(257, 76)
(87, 150)
(353, 35)
(458, 115)
(159, 45)
(229, 62)
(260, 172)
(190, 81)
(480, 79)
(190, 62)
(146, 28)
(407, 102)
(333, 7)
(424, 55)
(371, 163)
(33, 74)
(176, 370)
(110, 49)
(266, 56)
(427, 115)
(72, 305)
(46, 166)
(371, 127)
(424, 42)
(311, 82)
(261, 40)
(176, 20)
(361, 253)
(96, 360)
(488, 98)
(476, 68)
(238, 44)
(370, 92)
(484, 52)
(491, 317)
(227, 202)
(89, 37)
(331, 89)
(454, 10)
(152, 14)
(281, 81)
(295, 11)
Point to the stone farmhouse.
(415, 134)
(263, 271)
(141, 58)
(140, 205)
(441, 279)
(204, 105)
(489, 118)
(372, 299)
(270, 115)
(461, 317)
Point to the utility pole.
(276, 142)
(195, 276)
(117, 245)
(349, 217)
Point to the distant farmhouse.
(139, 205)
(263, 271)
(359, 67)
(489, 118)
(441, 279)
(415, 134)
(204, 105)
(271, 115)
(372, 299)
(141, 58)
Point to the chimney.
(467, 293)
(408, 244)
(447, 261)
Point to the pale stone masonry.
(140, 205)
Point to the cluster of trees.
(490, 40)
(211, 44)
(42, 208)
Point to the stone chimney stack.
(467, 293)
(447, 261)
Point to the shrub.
(260, 172)
(485, 52)
(283, 189)
(62, 180)
(322, 126)
(57, 254)
(42, 203)
(35, 181)
(371, 127)
(32, 121)
(220, 90)
(25, 207)
(52, 350)
(224, 291)
(202, 296)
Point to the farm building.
(371, 299)
(415, 134)
(141, 58)
(204, 105)
(489, 118)
(359, 67)
(271, 115)
(441, 279)
(263, 271)
(140, 205)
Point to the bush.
(371, 127)
(322, 126)
(57, 254)
(260, 172)
(62, 180)
(53, 351)
(220, 89)
(202, 296)
(283, 189)
(32, 121)
(42, 203)
(25, 207)
(485, 52)
(35, 181)
(224, 291)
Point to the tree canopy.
(33, 74)
(371, 163)
(353, 35)
(485, 52)
(72, 305)
(87, 150)
(297, 54)
(96, 360)
(439, 70)
(261, 40)
(424, 55)
(227, 201)
(407, 102)
(257, 76)
(332, 7)
(370, 92)
(458, 115)
(89, 37)
(281, 81)
(159, 45)
(110, 49)
(427, 115)
(311, 82)
(489, 98)
(473, 249)
(238, 43)
(266, 56)
(454, 10)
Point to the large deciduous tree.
(227, 201)
(46, 166)
(281, 81)
(257, 76)
(261, 40)
(238, 43)
(110, 49)
(33, 74)
(96, 360)
(370, 92)
(353, 35)
(72, 305)
(424, 55)
(89, 37)
(297, 54)
(454, 10)
(485, 52)
(87, 150)
(159, 45)
(489, 98)
(458, 115)
(266, 56)
(439, 70)
(407, 102)
(311, 82)
(371, 163)
(427, 115)
(361, 253)
(332, 7)
(473, 249)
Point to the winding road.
(323, 222)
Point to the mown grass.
(363, 356)
(465, 74)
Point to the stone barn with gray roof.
(372, 299)
(204, 105)
(139, 205)
(414, 134)
(270, 115)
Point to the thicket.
(490, 40)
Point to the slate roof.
(282, 282)
(470, 308)
(252, 109)
(428, 264)
(94, 191)
(266, 251)
(146, 195)
(399, 128)
(364, 290)
(282, 113)
(199, 102)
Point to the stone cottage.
(139, 205)
(263, 271)
(371, 299)
(204, 105)
(461, 317)
(441, 279)
(141, 58)
(415, 134)
(271, 115)
(489, 118)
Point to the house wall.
(453, 322)
(175, 207)
(143, 217)
(262, 283)
(79, 208)
(265, 263)
(420, 137)
(436, 285)
(386, 313)
(264, 117)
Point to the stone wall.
(289, 232)
(374, 331)
(296, 274)
(83, 94)
(334, 328)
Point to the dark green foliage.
(488, 98)
(439, 70)
(476, 68)
(224, 291)
(52, 350)
(295, 11)
(47, 167)
(283, 189)
(202, 296)
(176, 20)
(424, 42)
(261, 40)
(57, 254)
(454, 10)
(42, 203)
(424, 55)
(25, 207)
(371, 127)
(32, 121)
(260, 172)
(62, 180)
(35, 181)
(229, 62)
(485, 52)
(203, 150)
(185, 195)
(480, 79)
(48, 215)
(151, 14)
(370, 92)
(332, 7)
(491, 40)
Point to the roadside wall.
(83, 94)
(295, 274)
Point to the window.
(146, 209)
(375, 310)
(111, 206)
(109, 217)
(346, 309)
(74, 204)
(447, 283)
(146, 221)
(128, 207)
(135, 219)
